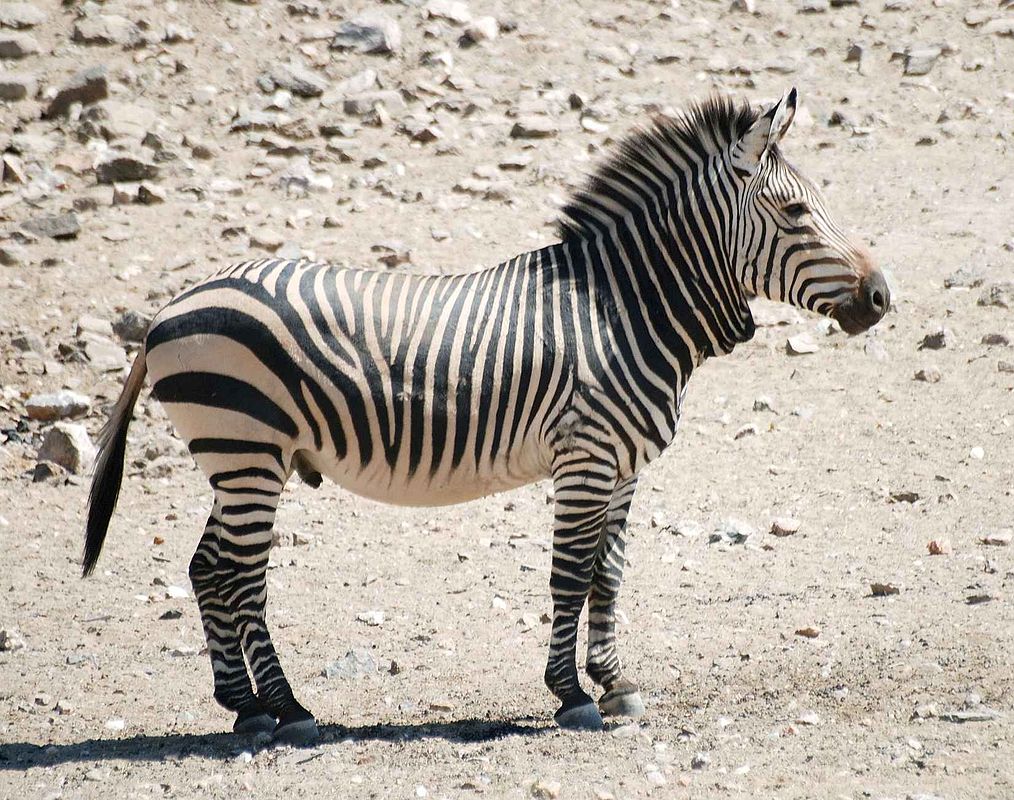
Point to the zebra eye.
(795, 210)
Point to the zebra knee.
(201, 566)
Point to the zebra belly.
(392, 484)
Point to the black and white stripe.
(568, 362)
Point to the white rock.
(11, 640)
(784, 526)
(800, 345)
(482, 29)
(62, 404)
(68, 445)
(451, 10)
(372, 618)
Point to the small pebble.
(785, 526)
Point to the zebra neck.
(672, 284)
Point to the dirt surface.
(768, 667)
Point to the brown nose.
(876, 294)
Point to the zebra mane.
(702, 128)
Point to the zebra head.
(790, 247)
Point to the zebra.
(569, 362)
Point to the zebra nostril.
(878, 296)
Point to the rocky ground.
(863, 648)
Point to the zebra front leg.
(247, 519)
(582, 489)
(621, 697)
(232, 683)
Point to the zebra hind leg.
(248, 514)
(621, 697)
(232, 683)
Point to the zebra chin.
(864, 309)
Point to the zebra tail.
(109, 465)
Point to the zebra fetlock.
(569, 362)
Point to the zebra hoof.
(584, 717)
(622, 702)
(298, 733)
(252, 724)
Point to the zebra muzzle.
(867, 306)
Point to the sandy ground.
(905, 696)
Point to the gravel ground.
(210, 133)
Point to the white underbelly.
(379, 481)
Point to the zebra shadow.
(223, 746)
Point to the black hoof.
(579, 717)
(253, 723)
(297, 728)
(622, 701)
(301, 733)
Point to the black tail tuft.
(109, 466)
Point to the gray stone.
(963, 278)
(87, 324)
(482, 29)
(131, 326)
(149, 194)
(800, 345)
(784, 526)
(17, 45)
(61, 405)
(370, 33)
(11, 640)
(854, 55)
(104, 354)
(119, 120)
(534, 128)
(298, 80)
(978, 714)
(356, 663)
(13, 254)
(920, 60)
(67, 445)
(996, 340)
(119, 168)
(700, 761)
(928, 375)
(175, 33)
(938, 340)
(255, 121)
(86, 87)
(17, 86)
(366, 102)
(813, 6)
(12, 170)
(451, 10)
(999, 294)
(47, 470)
(266, 239)
(731, 531)
(105, 29)
(20, 15)
(999, 27)
(28, 343)
(56, 226)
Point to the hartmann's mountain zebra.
(568, 362)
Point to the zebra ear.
(767, 131)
